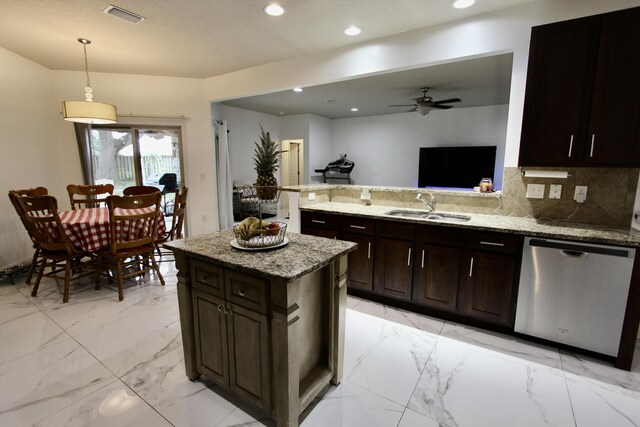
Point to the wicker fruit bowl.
(260, 235)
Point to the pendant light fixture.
(88, 111)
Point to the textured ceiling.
(204, 38)
(477, 82)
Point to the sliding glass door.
(126, 156)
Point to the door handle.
(593, 140)
(409, 257)
(471, 268)
(491, 243)
(317, 221)
(359, 227)
(369, 251)
(422, 266)
(570, 145)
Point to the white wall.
(28, 142)
(244, 127)
(320, 147)
(503, 31)
(385, 148)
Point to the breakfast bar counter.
(267, 326)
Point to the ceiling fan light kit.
(425, 103)
(88, 111)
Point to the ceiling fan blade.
(441, 107)
(446, 101)
(403, 105)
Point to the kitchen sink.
(435, 216)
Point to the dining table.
(88, 229)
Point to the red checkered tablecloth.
(88, 229)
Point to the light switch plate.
(312, 196)
(535, 191)
(555, 191)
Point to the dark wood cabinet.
(393, 271)
(231, 333)
(320, 224)
(470, 274)
(583, 96)
(437, 267)
(489, 280)
(362, 232)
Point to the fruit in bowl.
(273, 229)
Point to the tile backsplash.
(610, 197)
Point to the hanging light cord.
(86, 63)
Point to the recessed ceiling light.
(281, 113)
(352, 31)
(274, 9)
(461, 4)
(330, 101)
(297, 89)
(354, 109)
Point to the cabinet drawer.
(246, 291)
(396, 230)
(493, 242)
(320, 220)
(207, 278)
(440, 235)
(358, 225)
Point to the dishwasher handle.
(579, 251)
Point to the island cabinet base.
(275, 344)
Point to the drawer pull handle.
(491, 243)
(593, 140)
(359, 227)
(422, 266)
(369, 251)
(205, 278)
(317, 221)
(409, 257)
(220, 308)
(241, 292)
(570, 145)
(471, 268)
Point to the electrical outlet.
(555, 191)
(535, 191)
(312, 196)
(580, 194)
(365, 194)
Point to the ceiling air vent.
(121, 13)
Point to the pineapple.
(266, 161)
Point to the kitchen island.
(268, 326)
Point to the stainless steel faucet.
(431, 205)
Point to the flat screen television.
(455, 167)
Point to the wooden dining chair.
(177, 223)
(13, 196)
(136, 190)
(88, 196)
(133, 223)
(55, 249)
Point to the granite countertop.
(301, 256)
(508, 224)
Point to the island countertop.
(303, 254)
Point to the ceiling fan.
(425, 103)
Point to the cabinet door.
(360, 272)
(320, 224)
(489, 287)
(210, 323)
(559, 90)
(394, 268)
(614, 128)
(249, 353)
(436, 276)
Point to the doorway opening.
(292, 167)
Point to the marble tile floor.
(99, 362)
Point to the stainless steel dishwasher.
(574, 293)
